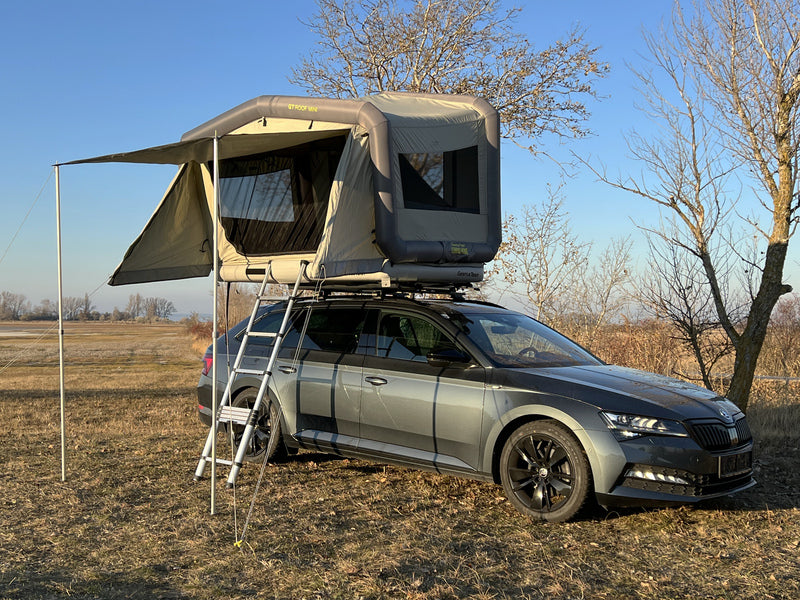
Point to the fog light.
(651, 476)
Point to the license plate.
(735, 464)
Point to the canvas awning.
(202, 150)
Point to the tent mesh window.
(275, 203)
(446, 181)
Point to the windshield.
(514, 340)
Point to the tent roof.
(369, 112)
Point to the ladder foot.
(228, 486)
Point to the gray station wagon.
(475, 390)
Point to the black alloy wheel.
(260, 438)
(545, 472)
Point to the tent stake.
(61, 331)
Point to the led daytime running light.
(659, 477)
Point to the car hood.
(623, 389)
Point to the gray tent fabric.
(175, 243)
(387, 189)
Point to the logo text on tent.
(303, 108)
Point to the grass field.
(130, 523)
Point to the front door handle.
(376, 380)
(287, 370)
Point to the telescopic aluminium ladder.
(233, 415)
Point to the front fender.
(513, 408)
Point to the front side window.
(409, 337)
(441, 181)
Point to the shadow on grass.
(36, 583)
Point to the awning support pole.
(61, 331)
(214, 401)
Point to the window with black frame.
(276, 203)
(328, 329)
(441, 181)
(408, 337)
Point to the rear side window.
(328, 329)
(271, 323)
(334, 329)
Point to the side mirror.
(441, 358)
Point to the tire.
(264, 423)
(545, 472)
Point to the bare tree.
(732, 109)
(782, 356)
(12, 306)
(602, 295)
(157, 308)
(72, 307)
(236, 303)
(673, 288)
(135, 306)
(453, 46)
(540, 261)
(86, 308)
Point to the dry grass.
(129, 522)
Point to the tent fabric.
(348, 241)
(175, 243)
(202, 150)
(282, 200)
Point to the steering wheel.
(528, 351)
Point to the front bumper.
(669, 470)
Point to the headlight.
(630, 426)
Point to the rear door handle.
(376, 380)
(287, 370)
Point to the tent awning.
(202, 150)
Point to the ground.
(129, 522)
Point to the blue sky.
(85, 78)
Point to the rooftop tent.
(391, 189)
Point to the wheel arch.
(516, 418)
(243, 384)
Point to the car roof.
(439, 305)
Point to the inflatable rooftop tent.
(391, 190)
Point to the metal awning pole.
(214, 319)
(61, 331)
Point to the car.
(476, 390)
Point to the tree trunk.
(748, 346)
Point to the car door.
(410, 409)
(317, 376)
(321, 372)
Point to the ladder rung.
(223, 461)
(233, 414)
(274, 298)
(250, 372)
(262, 334)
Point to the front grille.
(716, 436)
